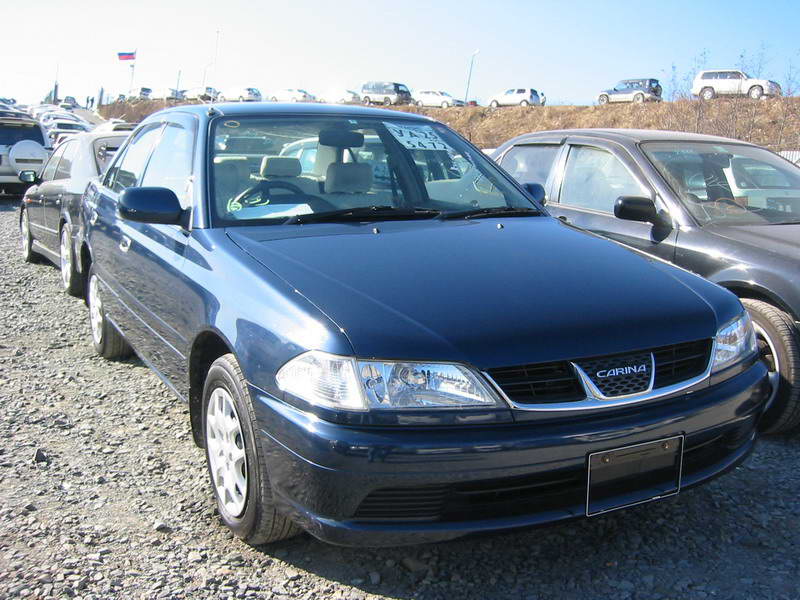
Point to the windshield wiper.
(364, 213)
(494, 211)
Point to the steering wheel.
(262, 190)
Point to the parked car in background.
(632, 90)
(60, 127)
(339, 96)
(204, 94)
(516, 97)
(47, 119)
(385, 92)
(23, 145)
(50, 208)
(721, 82)
(114, 125)
(37, 111)
(166, 94)
(721, 208)
(436, 98)
(292, 95)
(369, 408)
(244, 94)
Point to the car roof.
(625, 136)
(265, 109)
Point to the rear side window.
(530, 163)
(595, 178)
(11, 134)
(49, 172)
(64, 170)
(128, 170)
(709, 75)
(170, 165)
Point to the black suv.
(722, 208)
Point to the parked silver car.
(732, 82)
(632, 90)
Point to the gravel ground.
(104, 495)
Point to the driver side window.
(170, 165)
(595, 178)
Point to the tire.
(780, 350)
(366, 100)
(419, 103)
(756, 92)
(220, 98)
(445, 105)
(494, 104)
(274, 99)
(524, 103)
(106, 340)
(603, 99)
(241, 98)
(707, 93)
(29, 255)
(236, 459)
(71, 280)
(387, 101)
(638, 98)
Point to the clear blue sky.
(571, 49)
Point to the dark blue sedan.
(384, 340)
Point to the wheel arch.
(746, 289)
(207, 347)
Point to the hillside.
(774, 123)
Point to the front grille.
(547, 383)
(619, 375)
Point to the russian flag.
(126, 55)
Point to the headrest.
(341, 138)
(280, 166)
(348, 178)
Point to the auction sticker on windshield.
(417, 137)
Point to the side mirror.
(637, 208)
(536, 190)
(150, 205)
(28, 177)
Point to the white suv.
(516, 97)
(720, 82)
(22, 148)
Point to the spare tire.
(27, 155)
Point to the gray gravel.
(104, 495)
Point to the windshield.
(266, 170)
(10, 134)
(729, 184)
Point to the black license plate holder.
(622, 477)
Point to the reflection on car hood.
(779, 239)
(469, 291)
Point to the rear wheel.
(236, 460)
(220, 98)
(524, 103)
(274, 99)
(494, 104)
(707, 93)
(419, 103)
(638, 98)
(70, 278)
(107, 341)
(387, 101)
(29, 255)
(756, 92)
(603, 99)
(445, 104)
(778, 344)
(366, 100)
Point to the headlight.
(734, 342)
(341, 382)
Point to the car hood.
(783, 240)
(533, 290)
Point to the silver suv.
(22, 148)
(731, 82)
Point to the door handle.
(564, 219)
(125, 243)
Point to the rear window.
(10, 134)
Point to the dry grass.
(774, 123)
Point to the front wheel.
(707, 93)
(366, 100)
(638, 98)
(29, 255)
(494, 104)
(445, 105)
(777, 340)
(387, 101)
(524, 103)
(107, 341)
(274, 99)
(235, 458)
(70, 278)
(603, 99)
(220, 98)
(756, 92)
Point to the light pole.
(469, 77)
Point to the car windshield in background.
(10, 134)
(275, 170)
(729, 184)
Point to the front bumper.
(393, 486)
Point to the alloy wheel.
(95, 310)
(25, 233)
(226, 452)
(769, 354)
(66, 258)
